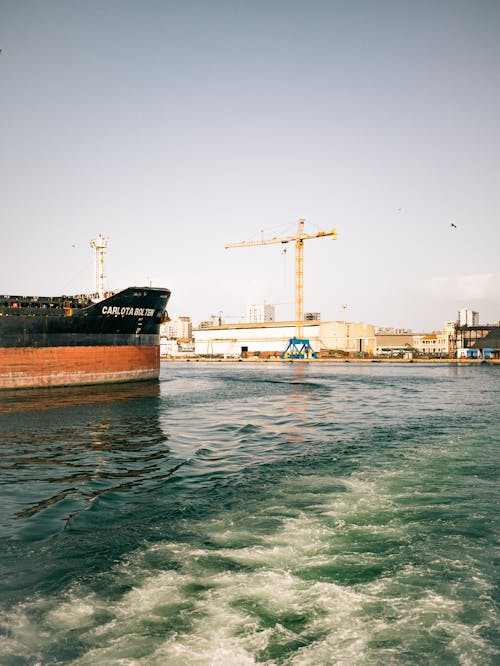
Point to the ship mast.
(99, 245)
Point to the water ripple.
(286, 515)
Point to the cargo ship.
(76, 340)
(72, 340)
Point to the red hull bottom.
(65, 366)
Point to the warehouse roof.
(490, 341)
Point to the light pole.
(346, 328)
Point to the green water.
(233, 514)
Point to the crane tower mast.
(99, 245)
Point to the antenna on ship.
(99, 245)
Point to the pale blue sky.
(175, 127)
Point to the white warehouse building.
(272, 338)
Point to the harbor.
(249, 333)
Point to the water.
(241, 514)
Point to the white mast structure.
(99, 245)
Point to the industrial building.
(475, 340)
(271, 338)
(472, 341)
(390, 342)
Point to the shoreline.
(336, 361)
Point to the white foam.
(74, 614)
(233, 603)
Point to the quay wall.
(255, 359)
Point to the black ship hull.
(72, 340)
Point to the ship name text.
(127, 310)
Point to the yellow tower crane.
(297, 347)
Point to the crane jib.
(294, 350)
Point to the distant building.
(184, 328)
(468, 318)
(167, 330)
(389, 330)
(401, 342)
(312, 316)
(209, 323)
(180, 328)
(437, 343)
(260, 313)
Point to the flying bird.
(453, 225)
